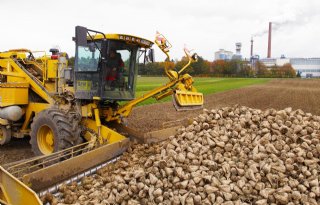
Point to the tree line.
(201, 67)
(217, 68)
(220, 68)
(238, 68)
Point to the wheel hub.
(1, 135)
(45, 139)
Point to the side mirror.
(81, 36)
(151, 55)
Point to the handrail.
(18, 169)
(187, 52)
(43, 65)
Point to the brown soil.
(296, 93)
(16, 150)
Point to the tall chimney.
(251, 51)
(269, 40)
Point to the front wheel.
(52, 131)
(5, 135)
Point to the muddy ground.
(296, 93)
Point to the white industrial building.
(307, 67)
(228, 55)
(223, 55)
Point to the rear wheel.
(52, 131)
(5, 135)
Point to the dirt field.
(17, 149)
(296, 93)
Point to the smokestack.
(251, 51)
(269, 40)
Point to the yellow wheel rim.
(1, 135)
(45, 139)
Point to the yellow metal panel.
(97, 117)
(13, 94)
(13, 191)
(14, 85)
(5, 54)
(13, 53)
(33, 108)
(187, 98)
(86, 110)
(52, 67)
(39, 180)
(34, 85)
(15, 79)
(11, 74)
(38, 107)
(50, 87)
(124, 37)
(106, 133)
(4, 121)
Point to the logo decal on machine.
(84, 85)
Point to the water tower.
(238, 48)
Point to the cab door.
(87, 80)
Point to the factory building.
(223, 55)
(228, 55)
(307, 67)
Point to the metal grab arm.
(126, 109)
(190, 60)
(164, 45)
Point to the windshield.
(120, 70)
(88, 57)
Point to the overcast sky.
(203, 25)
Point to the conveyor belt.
(39, 173)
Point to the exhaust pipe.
(251, 50)
(13, 113)
(269, 40)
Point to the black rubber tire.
(6, 135)
(63, 134)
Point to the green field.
(204, 85)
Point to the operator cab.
(106, 65)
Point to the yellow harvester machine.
(75, 117)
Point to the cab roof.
(125, 37)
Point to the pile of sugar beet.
(232, 155)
